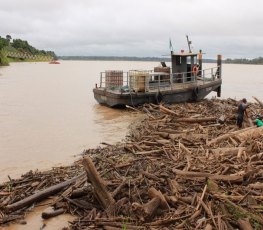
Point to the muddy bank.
(183, 166)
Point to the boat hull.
(193, 92)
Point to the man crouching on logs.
(242, 106)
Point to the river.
(48, 114)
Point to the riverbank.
(5, 61)
(182, 166)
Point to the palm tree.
(8, 38)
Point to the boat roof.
(184, 54)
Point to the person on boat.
(242, 106)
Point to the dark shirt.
(241, 109)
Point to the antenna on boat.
(171, 45)
(189, 43)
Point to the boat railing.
(145, 80)
(210, 74)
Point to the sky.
(143, 28)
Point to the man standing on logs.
(242, 106)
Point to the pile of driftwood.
(184, 166)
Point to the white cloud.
(135, 28)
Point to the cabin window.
(195, 59)
(188, 59)
(178, 60)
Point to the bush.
(3, 60)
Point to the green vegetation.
(112, 58)
(22, 48)
(255, 61)
(3, 59)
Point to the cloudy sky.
(233, 28)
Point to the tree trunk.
(244, 224)
(230, 178)
(42, 194)
(259, 102)
(251, 133)
(227, 135)
(104, 197)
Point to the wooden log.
(154, 193)
(202, 197)
(42, 194)
(244, 224)
(116, 225)
(118, 189)
(195, 136)
(149, 209)
(184, 148)
(175, 188)
(80, 204)
(104, 197)
(68, 191)
(152, 176)
(256, 157)
(258, 101)
(197, 120)
(169, 220)
(227, 135)
(162, 134)
(132, 108)
(149, 152)
(257, 185)
(163, 141)
(253, 133)
(237, 198)
(208, 227)
(148, 112)
(79, 192)
(186, 199)
(172, 200)
(192, 217)
(239, 153)
(238, 208)
(227, 151)
(229, 178)
(219, 139)
(9, 218)
(52, 213)
(165, 110)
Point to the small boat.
(184, 81)
(54, 62)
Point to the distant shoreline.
(256, 61)
(121, 58)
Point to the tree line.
(255, 61)
(9, 44)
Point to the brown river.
(48, 114)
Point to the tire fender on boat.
(195, 93)
(158, 97)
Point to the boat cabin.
(188, 63)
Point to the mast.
(189, 43)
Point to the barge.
(184, 81)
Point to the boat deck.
(155, 87)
